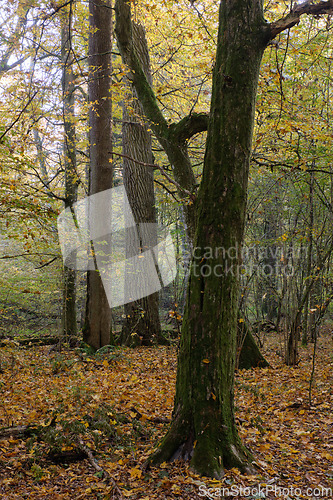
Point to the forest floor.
(83, 425)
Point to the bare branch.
(309, 7)
(171, 193)
(19, 116)
(12, 43)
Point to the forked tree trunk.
(173, 137)
(203, 427)
(97, 328)
(142, 323)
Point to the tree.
(141, 324)
(97, 329)
(71, 176)
(172, 137)
(203, 426)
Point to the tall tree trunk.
(97, 328)
(173, 137)
(269, 300)
(203, 426)
(308, 318)
(142, 323)
(71, 178)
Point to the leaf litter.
(80, 426)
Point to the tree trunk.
(173, 137)
(97, 328)
(292, 345)
(142, 323)
(308, 318)
(248, 353)
(203, 426)
(71, 177)
(270, 263)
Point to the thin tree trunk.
(71, 178)
(97, 328)
(308, 318)
(292, 345)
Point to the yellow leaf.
(240, 320)
(213, 396)
(175, 488)
(135, 473)
(105, 363)
(206, 361)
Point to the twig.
(156, 420)
(19, 116)
(96, 466)
(47, 263)
(167, 190)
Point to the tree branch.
(309, 7)
(174, 145)
(189, 126)
(19, 116)
(137, 76)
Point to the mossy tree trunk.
(173, 137)
(203, 427)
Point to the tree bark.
(97, 328)
(173, 137)
(71, 177)
(248, 353)
(142, 323)
(203, 427)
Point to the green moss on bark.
(203, 420)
